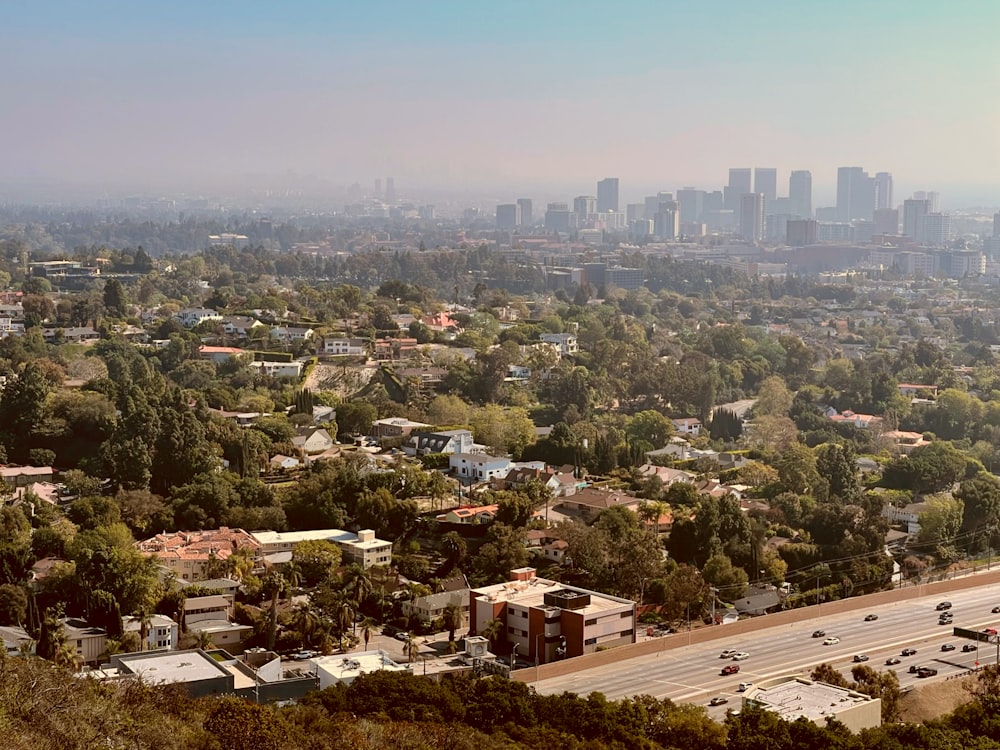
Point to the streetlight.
(513, 656)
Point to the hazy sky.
(516, 95)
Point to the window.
(591, 621)
(510, 610)
(626, 614)
(626, 633)
(590, 642)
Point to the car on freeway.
(729, 653)
(892, 660)
(730, 669)
(943, 605)
(871, 618)
(947, 646)
(946, 620)
(858, 658)
(914, 668)
(995, 610)
(926, 672)
(718, 700)
(831, 641)
(740, 656)
(744, 686)
(970, 647)
(908, 652)
(819, 633)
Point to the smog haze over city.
(496, 98)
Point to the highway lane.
(692, 673)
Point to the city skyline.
(523, 97)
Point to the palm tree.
(272, 585)
(239, 565)
(145, 618)
(67, 656)
(411, 648)
(492, 631)
(368, 626)
(345, 617)
(306, 622)
(359, 581)
(452, 618)
(204, 640)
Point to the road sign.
(975, 635)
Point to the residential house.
(918, 389)
(565, 343)
(193, 555)
(220, 354)
(89, 642)
(431, 607)
(478, 467)
(548, 620)
(240, 325)
(343, 669)
(211, 615)
(395, 427)
(478, 514)
(22, 476)
(392, 349)
(242, 418)
(70, 334)
(861, 421)
(283, 463)
(687, 425)
(908, 516)
(905, 442)
(345, 347)
(161, 631)
(278, 369)
(667, 475)
(590, 502)
(16, 641)
(312, 440)
(289, 334)
(556, 551)
(442, 441)
(362, 548)
(189, 317)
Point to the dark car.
(944, 605)
(908, 652)
(891, 661)
(914, 668)
(970, 647)
(871, 618)
(926, 672)
(730, 669)
(947, 646)
(819, 634)
(995, 610)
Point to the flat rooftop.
(347, 666)
(173, 666)
(531, 593)
(812, 700)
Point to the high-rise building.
(933, 200)
(883, 190)
(390, 190)
(585, 207)
(635, 212)
(915, 211)
(508, 216)
(666, 223)
(558, 217)
(886, 221)
(800, 193)
(765, 182)
(855, 194)
(801, 232)
(937, 229)
(691, 202)
(752, 217)
(607, 195)
(378, 188)
(740, 183)
(527, 219)
(996, 224)
(652, 203)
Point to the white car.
(831, 641)
(744, 686)
(740, 656)
(729, 653)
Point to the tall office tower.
(691, 202)
(800, 193)
(635, 212)
(801, 232)
(765, 182)
(378, 188)
(996, 224)
(915, 211)
(527, 219)
(558, 217)
(652, 203)
(508, 216)
(607, 195)
(886, 221)
(714, 201)
(855, 194)
(390, 190)
(883, 190)
(584, 206)
(752, 217)
(666, 223)
(933, 200)
(739, 185)
(937, 229)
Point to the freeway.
(692, 674)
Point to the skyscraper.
(607, 195)
(390, 190)
(883, 190)
(855, 194)
(585, 207)
(765, 182)
(886, 221)
(527, 219)
(691, 202)
(752, 217)
(739, 185)
(800, 193)
(508, 216)
(996, 224)
(915, 212)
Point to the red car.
(730, 669)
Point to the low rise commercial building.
(796, 697)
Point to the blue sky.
(509, 95)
